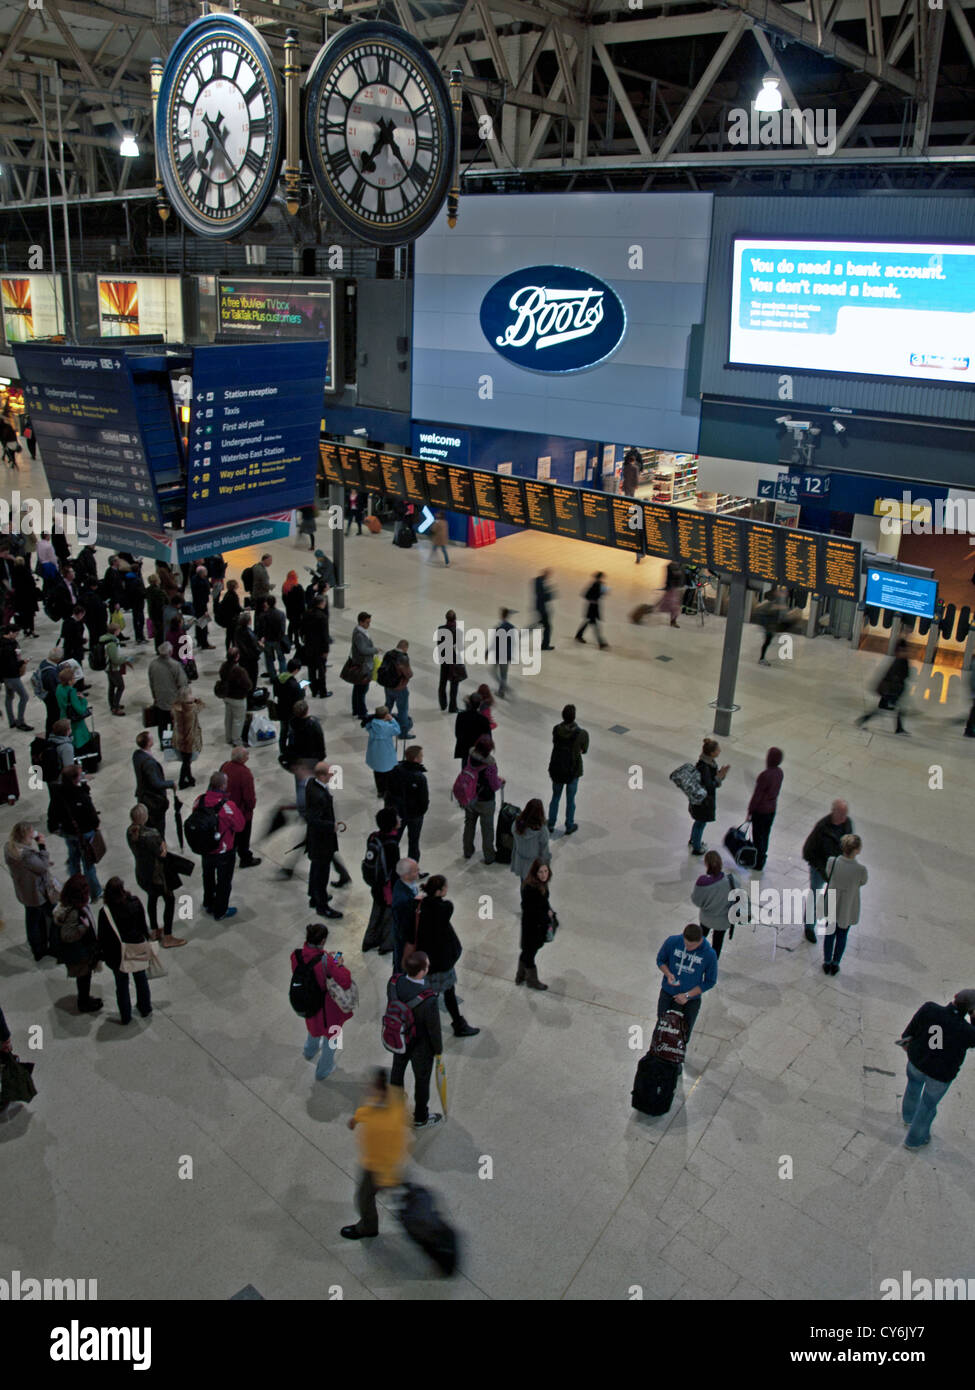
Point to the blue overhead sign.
(444, 443)
(901, 593)
(254, 430)
(553, 318)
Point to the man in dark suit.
(151, 784)
(313, 634)
(321, 840)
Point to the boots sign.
(553, 318)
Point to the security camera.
(840, 429)
(360, 431)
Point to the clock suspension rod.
(155, 82)
(456, 97)
(292, 162)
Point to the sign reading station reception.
(553, 318)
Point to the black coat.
(469, 725)
(407, 790)
(131, 922)
(200, 590)
(71, 811)
(305, 740)
(535, 915)
(823, 842)
(287, 694)
(436, 935)
(313, 632)
(707, 810)
(151, 783)
(321, 841)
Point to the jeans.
(143, 998)
(834, 944)
(234, 714)
(218, 877)
(816, 881)
(690, 1010)
(761, 830)
(697, 833)
(482, 811)
(570, 802)
(116, 688)
(76, 864)
(399, 707)
(35, 921)
(420, 1059)
(502, 673)
(921, 1099)
(13, 685)
(359, 701)
(327, 1055)
(443, 551)
(274, 658)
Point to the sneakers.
(429, 1122)
(219, 916)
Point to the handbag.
(137, 955)
(220, 690)
(553, 926)
(190, 668)
(346, 999)
(93, 851)
(350, 672)
(16, 1081)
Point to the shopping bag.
(16, 1082)
(440, 1072)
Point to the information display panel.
(538, 505)
(626, 523)
(597, 525)
(726, 549)
(487, 503)
(461, 490)
(658, 522)
(391, 468)
(349, 465)
(280, 309)
(438, 487)
(800, 556)
(329, 458)
(511, 492)
(414, 481)
(839, 567)
(372, 474)
(762, 553)
(566, 512)
(691, 534)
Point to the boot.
(531, 978)
(520, 976)
(462, 1029)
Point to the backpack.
(389, 671)
(406, 537)
(560, 763)
(247, 579)
(464, 790)
(37, 684)
(97, 656)
(669, 1041)
(220, 612)
(688, 779)
(374, 861)
(202, 828)
(305, 994)
(44, 754)
(399, 1020)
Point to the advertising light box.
(279, 309)
(33, 307)
(136, 305)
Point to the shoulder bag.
(136, 955)
(346, 999)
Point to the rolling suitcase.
(504, 840)
(9, 786)
(89, 755)
(426, 1226)
(654, 1085)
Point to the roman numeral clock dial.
(379, 132)
(218, 126)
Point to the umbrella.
(441, 1075)
(177, 808)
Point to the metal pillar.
(812, 625)
(895, 634)
(931, 645)
(724, 706)
(336, 498)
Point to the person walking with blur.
(544, 594)
(594, 596)
(705, 812)
(844, 879)
(384, 1141)
(438, 539)
(891, 689)
(711, 895)
(763, 804)
(538, 922)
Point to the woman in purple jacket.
(761, 808)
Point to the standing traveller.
(155, 608)
(823, 843)
(379, 871)
(200, 595)
(29, 863)
(72, 815)
(449, 653)
(544, 594)
(505, 649)
(472, 723)
(122, 922)
(12, 667)
(481, 809)
(247, 647)
(218, 863)
(155, 874)
(763, 804)
(569, 744)
(187, 734)
(409, 795)
(271, 625)
(151, 783)
(324, 1027)
(381, 746)
(261, 585)
(594, 596)
(166, 679)
(404, 907)
(630, 476)
(286, 694)
(306, 739)
(538, 922)
(435, 936)
(384, 1141)
(529, 838)
(935, 1040)
(360, 662)
(394, 675)
(891, 689)
(427, 1042)
(690, 968)
(313, 634)
(438, 538)
(293, 598)
(73, 708)
(706, 811)
(227, 611)
(77, 948)
(844, 879)
(711, 895)
(115, 667)
(240, 789)
(233, 687)
(321, 839)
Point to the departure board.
(329, 463)
(658, 522)
(538, 504)
(839, 567)
(391, 468)
(349, 465)
(512, 499)
(596, 523)
(626, 523)
(486, 500)
(799, 556)
(372, 474)
(763, 552)
(461, 489)
(414, 481)
(726, 548)
(437, 487)
(566, 512)
(691, 534)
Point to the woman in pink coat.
(325, 1026)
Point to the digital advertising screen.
(134, 305)
(865, 308)
(33, 307)
(279, 309)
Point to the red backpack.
(669, 1041)
(399, 1022)
(464, 789)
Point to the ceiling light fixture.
(769, 98)
(129, 147)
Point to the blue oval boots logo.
(553, 318)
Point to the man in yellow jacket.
(384, 1141)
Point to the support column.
(336, 498)
(725, 706)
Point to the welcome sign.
(553, 318)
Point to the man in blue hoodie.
(690, 968)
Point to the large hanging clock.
(379, 133)
(218, 126)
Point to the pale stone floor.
(560, 1189)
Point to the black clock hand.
(368, 161)
(214, 130)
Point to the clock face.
(379, 132)
(218, 126)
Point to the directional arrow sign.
(427, 521)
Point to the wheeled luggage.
(504, 839)
(89, 756)
(654, 1085)
(426, 1226)
(9, 786)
